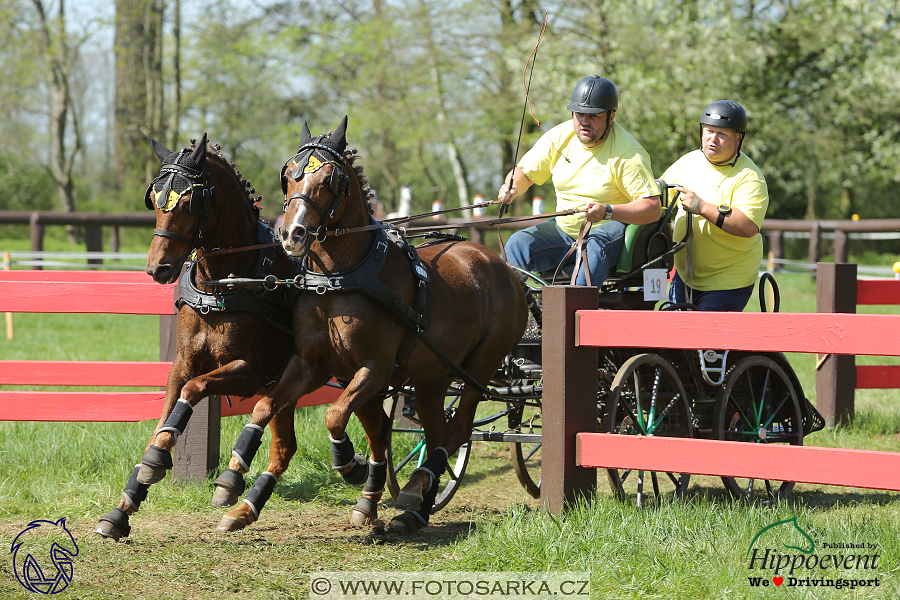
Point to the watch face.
(724, 209)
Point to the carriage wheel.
(758, 404)
(526, 456)
(407, 451)
(647, 398)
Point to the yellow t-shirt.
(721, 261)
(615, 172)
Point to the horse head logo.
(40, 544)
(786, 527)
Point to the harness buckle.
(321, 289)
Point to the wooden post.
(37, 236)
(815, 242)
(570, 397)
(114, 239)
(841, 246)
(7, 266)
(476, 235)
(93, 240)
(835, 374)
(776, 245)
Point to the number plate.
(655, 284)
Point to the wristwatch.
(608, 215)
(724, 211)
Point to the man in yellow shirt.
(725, 194)
(596, 167)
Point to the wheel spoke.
(663, 414)
(532, 451)
(777, 410)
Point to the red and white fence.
(574, 329)
(128, 293)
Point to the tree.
(138, 94)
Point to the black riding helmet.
(595, 95)
(728, 114)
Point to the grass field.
(696, 548)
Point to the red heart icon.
(777, 581)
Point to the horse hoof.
(406, 523)
(236, 520)
(150, 475)
(223, 498)
(114, 525)
(365, 513)
(408, 500)
(229, 524)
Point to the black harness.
(312, 155)
(273, 306)
(176, 179)
(363, 278)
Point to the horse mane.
(352, 156)
(247, 189)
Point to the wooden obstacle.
(573, 329)
(105, 292)
(838, 376)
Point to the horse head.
(317, 186)
(181, 195)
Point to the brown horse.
(236, 342)
(474, 311)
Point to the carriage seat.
(623, 287)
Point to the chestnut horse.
(474, 313)
(236, 342)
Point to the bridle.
(339, 182)
(167, 198)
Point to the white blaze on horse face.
(296, 230)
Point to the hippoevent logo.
(783, 554)
(42, 556)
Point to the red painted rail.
(804, 464)
(94, 292)
(833, 333)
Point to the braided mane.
(247, 189)
(352, 156)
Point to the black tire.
(406, 452)
(758, 403)
(647, 397)
(526, 456)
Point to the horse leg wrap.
(119, 519)
(377, 476)
(260, 493)
(178, 418)
(434, 465)
(344, 456)
(247, 445)
(367, 507)
(533, 306)
(157, 458)
(135, 492)
(231, 480)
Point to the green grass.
(691, 549)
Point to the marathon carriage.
(735, 396)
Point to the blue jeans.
(540, 248)
(712, 300)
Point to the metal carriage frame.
(736, 396)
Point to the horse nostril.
(298, 233)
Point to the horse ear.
(199, 153)
(339, 136)
(161, 151)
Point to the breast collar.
(363, 277)
(271, 306)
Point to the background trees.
(434, 94)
